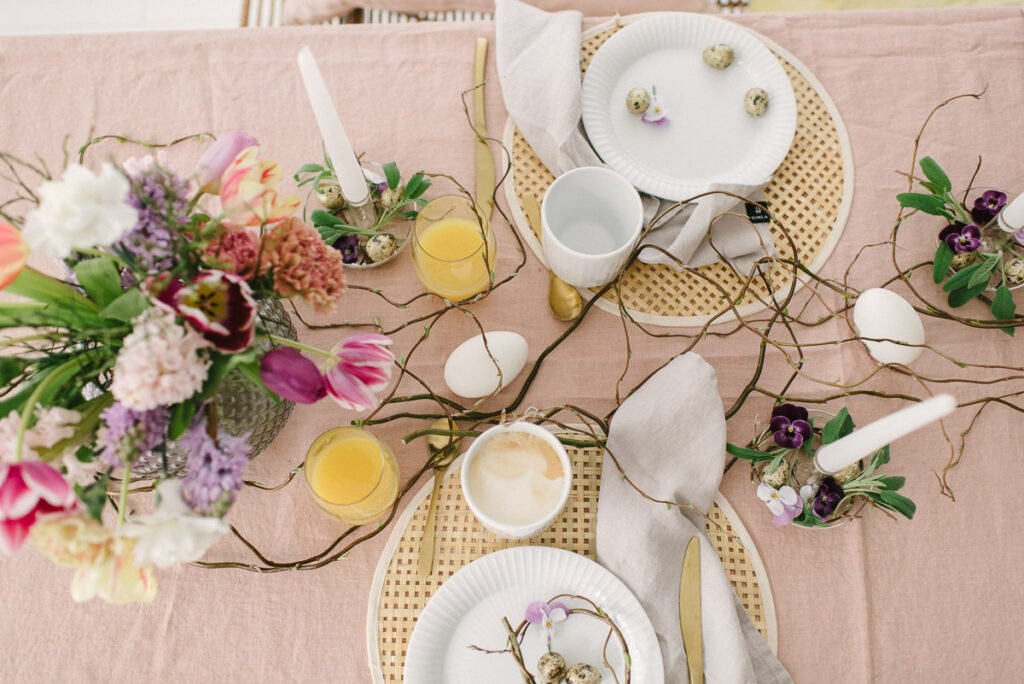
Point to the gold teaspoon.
(565, 301)
(443, 450)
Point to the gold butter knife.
(689, 612)
(485, 177)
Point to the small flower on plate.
(827, 498)
(362, 367)
(961, 238)
(656, 114)
(987, 206)
(291, 376)
(784, 503)
(547, 615)
(790, 426)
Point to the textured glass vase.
(241, 406)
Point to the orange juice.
(352, 475)
(454, 249)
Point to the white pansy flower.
(80, 210)
(173, 533)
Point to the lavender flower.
(160, 197)
(127, 434)
(790, 426)
(961, 238)
(987, 206)
(214, 468)
(829, 494)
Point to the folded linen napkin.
(538, 56)
(669, 437)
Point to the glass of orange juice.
(453, 248)
(352, 475)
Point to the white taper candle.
(1011, 218)
(339, 149)
(865, 441)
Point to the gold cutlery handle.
(425, 563)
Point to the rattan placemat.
(399, 593)
(810, 194)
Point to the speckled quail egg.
(1014, 270)
(848, 473)
(582, 673)
(638, 100)
(330, 196)
(777, 477)
(551, 667)
(962, 260)
(380, 247)
(719, 56)
(756, 102)
(392, 196)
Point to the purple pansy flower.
(790, 426)
(961, 238)
(784, 503)
(547, 615)
(829, 494)
(990, 203)
(348, 245)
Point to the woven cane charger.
(810, 195)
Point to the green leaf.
(251, 371)
(181, 418)
(898, 503)
(1003, 306)
(892, 482)
(880, 458)
(410, 215)
(747, 454)
(981, 276)
(960, 278)
(40, 287)
(126, 307)
(943, 259)
(392, 175)
(416, 186)
(929, 204)
(308, 168)
(808, 519)
(964, 295)
(837, 427)
(324, 218)
(94, 496)
(11, 367)
(935, 174)
(100, 279)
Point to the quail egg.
(719, 56)
(583, 674)
(638, 100)
(756, 102)
(380, 247)
(551, 667)
(330, 196)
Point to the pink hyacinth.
(363, 365)
(29, 490)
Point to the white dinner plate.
(710, 138)
(468, 608)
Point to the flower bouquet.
(782, 462)
(123, 357)
(974, 255)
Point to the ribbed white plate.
(468, 608)
(710, 137)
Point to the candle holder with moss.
(782, 463)
(394, 205)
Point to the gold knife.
(485, 179)
(689, 612)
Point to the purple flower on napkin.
(547, 615)
(790, 426)
(961, 238)
(990, 203)
(784, 503)
(656, 113)
(830, 493)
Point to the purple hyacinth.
(790, 426)
(987, 206)
(828, 496)
(214, 468)
(961, 238)
(127, 434)
(160, 197)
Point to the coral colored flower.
(218, 156)
(172, 534)
(13, 254)
(290, 375)
(790, 426)
(784, 503)
(29, 490)
(303, 264)
(363, 366)
(219, 305)
(248, 192)
(234, 252)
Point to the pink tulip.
(290, 375)
(363, 367)
(248, 192)
(218, 156)
(29, 490)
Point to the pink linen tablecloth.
(939, 599)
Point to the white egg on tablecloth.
(470, 372)
(880, 313)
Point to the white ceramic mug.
(592, 218)
(532, 528)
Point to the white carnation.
(172, 534)
(52, 425)
(160, 363)
(80, 210)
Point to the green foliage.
(392, 175)
(837, 427)
(929, 204)
(1003, 307)
(94, 496)
(747, 454)
(11, 367)
(126, 307)
(181, 418)
(100, 279)
(940, 182)
(943, 260)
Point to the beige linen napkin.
(538, 56)
(669, 436)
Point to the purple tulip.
(829, 494)
(987, 206)
(790, 426)
(292, 376)
(961, 238)
(218, 156)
